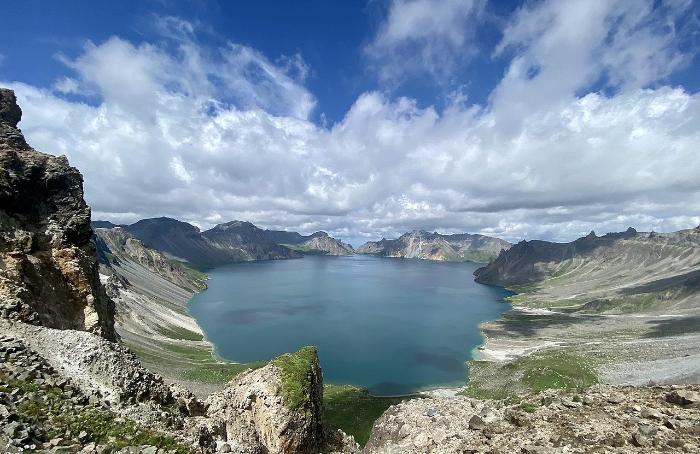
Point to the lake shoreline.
(425, 269)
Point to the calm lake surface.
(391, 325)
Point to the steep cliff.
(48, 270)
(434, 246)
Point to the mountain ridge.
(422, 244)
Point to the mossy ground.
(354, 410)
(297, 371)
(556, 370)
(56, 415)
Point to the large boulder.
(275, 409)
(48, 269)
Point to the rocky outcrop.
(599, 419)
(324, 244)
(277, 408)
(48, 270)
(320, 243)
(420, 244)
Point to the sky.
(522, 120)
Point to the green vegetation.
(354, 410)
(56, 415)
(301, 248)
(536, 372)
(297, 369)
(196, 275)
(188, 362)
(556, 370)
(477, 392)
(179, 333)
(528, 407)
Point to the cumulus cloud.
(210, 135)
(425, 36)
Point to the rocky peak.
(10, 116)
(48, 266)
(10, 112)
(235, 225)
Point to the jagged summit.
(10, 116)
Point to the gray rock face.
(434, 246)
(323, 243)
(48, 271)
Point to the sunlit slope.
(616, 273)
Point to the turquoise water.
(391, 325)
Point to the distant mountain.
(118, 249)
(618, 272)
(103, 225)
(231, 242)
(248, 241)
(316, 243)
(285, 237)
(434, 246)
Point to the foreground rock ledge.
(602, 418)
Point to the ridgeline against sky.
(520, 120)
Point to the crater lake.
(394, 326)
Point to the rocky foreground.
(599, 419)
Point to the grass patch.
(354, 410)
(178, 332)
(190, 353)
(556, 370)
(217, 373)
(528, 407)
(297, 371)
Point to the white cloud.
(538, 161)
(421, 36)
(66, 85)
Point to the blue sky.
(330, 36)
(519, 119)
